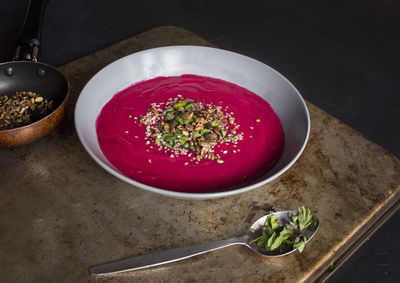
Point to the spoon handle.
(162, 257)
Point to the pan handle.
(29, 40)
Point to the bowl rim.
(186, 195)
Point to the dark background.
(343, 56)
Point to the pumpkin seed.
(229, 138)
(189, 106)
(180, 104)
(180, 119)
(169, 116)
(215, 123)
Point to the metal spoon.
(175, 254)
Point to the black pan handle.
(29, 41)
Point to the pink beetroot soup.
(124, 142)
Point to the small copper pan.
(26, 74)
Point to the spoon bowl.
(256, 230)
(175, 254)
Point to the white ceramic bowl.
(211, 62)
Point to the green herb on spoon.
(292, 235)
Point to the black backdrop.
(343, 56)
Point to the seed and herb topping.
(190, 127)
(22, 108)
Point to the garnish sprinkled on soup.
(190, 133)
(190, 128)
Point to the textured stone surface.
(60, 213)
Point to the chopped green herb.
(283, 236)
(271, 239)
(304, 219)
(272, 222)
(331, 265)
(299, 243)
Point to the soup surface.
(127, 144)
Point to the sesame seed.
(126, 132)
(149, 160)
